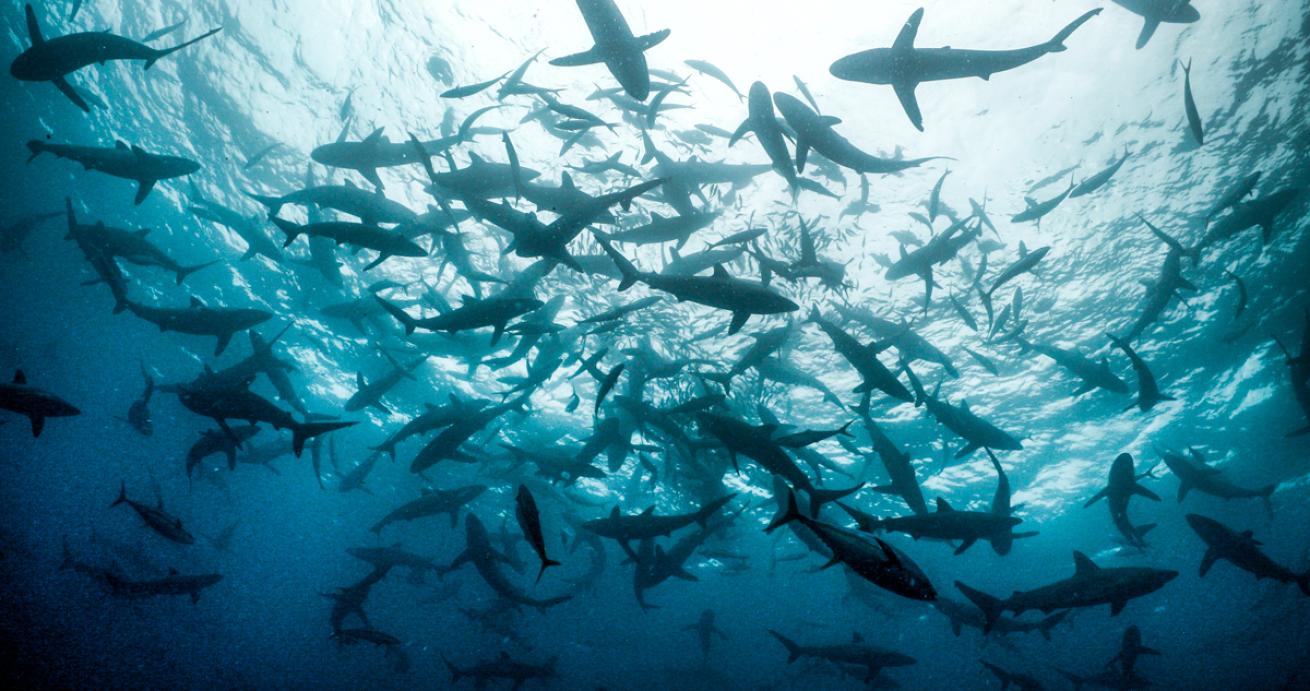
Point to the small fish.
(525, 510)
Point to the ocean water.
(300, 74)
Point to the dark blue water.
(298, 73)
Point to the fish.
(432, 502)
(1154, 13)
(616, 46)
(1123, 485)
(525, 512)
(156, 518)
(1090, 586)
(1241, 550)
(904, 67)
(120, 161)
(53, 59)
(36, 404)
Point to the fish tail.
(546, 564)
(122, 495)
(167, 51)
(793, 650)
(37, 147)
(629, 271)
(991, 607)
(455, 673)
(67, 563)
(185, 271)
(787, 513)
(273, 204)
(400, 315)
(304, 431)
(1056, 44)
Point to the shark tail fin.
(819, 497)
(150, 62)
(67, 563)
(1074, 679)
(626, 267)
(400, 315)
(304, 431)
(122, 495)
(1056, 44)
(793, 650)
(455, 673)
(545, 564)
(273, 204)
(36, 147)
(787, 513)
(1044, 626)
(185, 271)
(1266, 496)
(991, 607)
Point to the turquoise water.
(298, 74)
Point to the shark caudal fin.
(273, 204)
(67, 562)
(545, 564)
(1044, 626)
(150, 62)
(400, 315)
(1056, 44)
(122, 495)
(793, 650)
(626, 267)
(787, 512)
(185, 271)
(291, 230)
(991, 607)
(819, 497)
(304, 431)
(455, 673)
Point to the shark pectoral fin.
(67, 89)
(1148, 30)
(905, 92)
(586, 57)
(905, 39)
(1207, 561)
(223, 340)
(802, 152)
(143, 191)
(653, 39)
(1117, 606)
(38, 424)
(385, 410)
(738, 321)
(965, 545)
(371, 174)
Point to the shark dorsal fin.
(650, 510)
(720, 272)
(1023, 249)
(1083, 565)
(905, 39)
(942, 506)
(614, 514)
(375, 136)
(566, 181)
(120, 145)
(19, 377)
(143, 232)
(195, 302)
(890, 553)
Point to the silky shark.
(904, 67)
(622, 53)
(53, 59)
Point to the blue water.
(282, 72)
